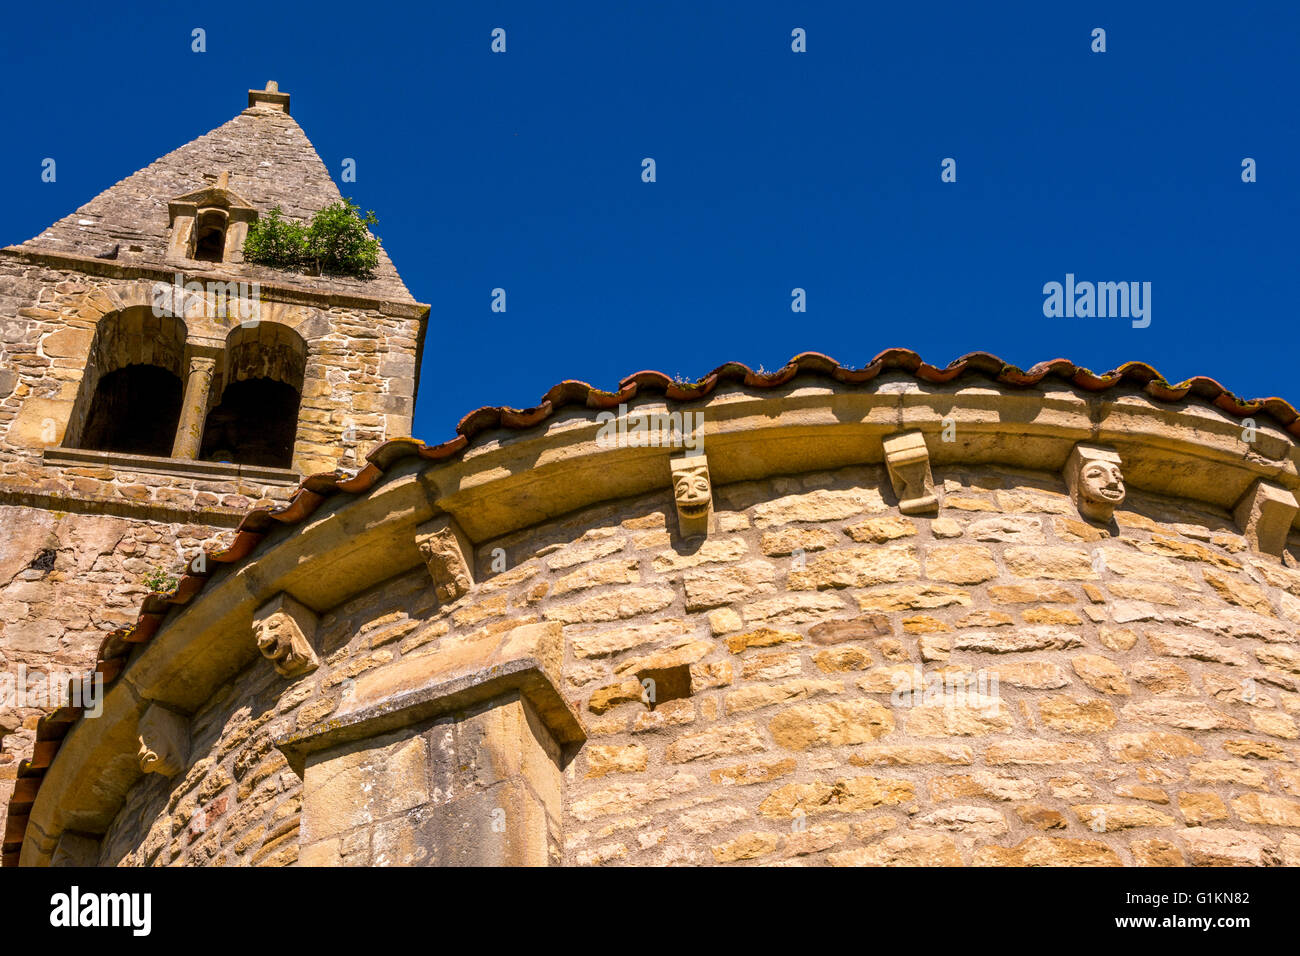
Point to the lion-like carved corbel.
(164, 737)
(284, 630)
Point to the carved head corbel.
(164, 737)
(1094, 475)
(284, 629)
(908, 461)
(693, 492)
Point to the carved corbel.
(449, 555)
(1264, 514)
(284, 630)
(164, 737)
(908, 461)
(693, 492)
(1094, 475)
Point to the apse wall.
(821, 680)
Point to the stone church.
(891, 615)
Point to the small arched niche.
(130, 395)
(256, 421)
(210, 235)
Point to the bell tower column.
(194, 407)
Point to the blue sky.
(775, 170)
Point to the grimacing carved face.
(693, 492)
(1102, 481)
(269, 639)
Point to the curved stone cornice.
(327, 546)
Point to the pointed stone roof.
(267, 160)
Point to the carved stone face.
(281, 643)
(1102, 483)
(1096, 481)
(693, 492)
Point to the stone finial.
(284, 630)
(1094, 475)
(908, 460)
(693, 492)
(164, 737)
(449, 555)
(1264, 514)
(270, 97)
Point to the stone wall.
(66, 580)
(1085, 694)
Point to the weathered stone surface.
(960, 564)
(1064, 564)
(831, 724)
(905, 849)
(1200, 808)
(1238, 772)
(747, 847)
(863, 628)
(612, 606)
(789, 540)
(908, 756)
(725, 741)
(1049, 851)
(856, 567)
(753, 698)
(1107, 817)
(846, 795)
(1041, 638)
(1031, 752)
(602, 760)
(1008, 528)
(1151, 745)
(1222, 847)
(1075, 714)
(761, 637)
(622, 571)
(821, 505)
(974, 717)
(1032, 592)
(713, 587)
(882, 529)
(912, 598)
(1184, 714)
(984, 784)
(1038, 675)
(1196, 648)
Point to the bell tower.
(155, 387)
